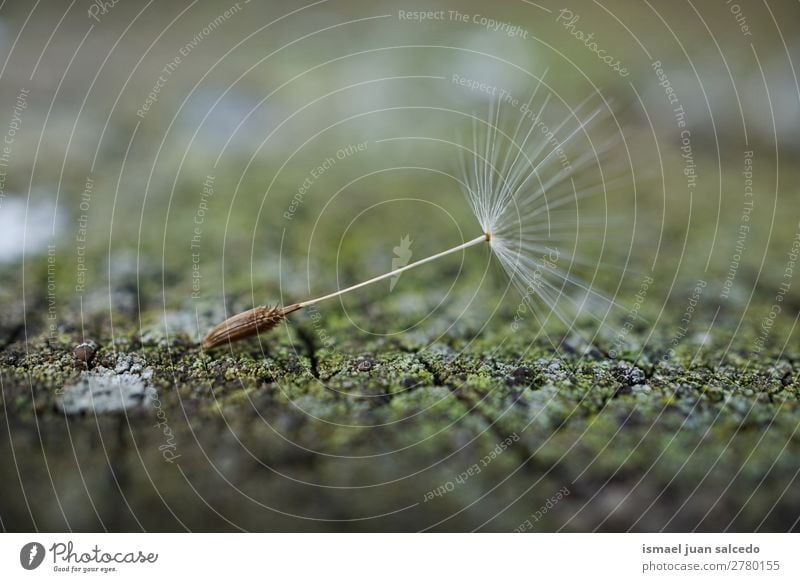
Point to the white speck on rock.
(132, 364)
(104, 390)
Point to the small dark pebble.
(85, 352)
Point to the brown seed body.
(264, 318)
(246, 324)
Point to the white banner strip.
(387, 557)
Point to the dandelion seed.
(518, 185)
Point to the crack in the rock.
(308, 342)
(524, 455)
(472, 407)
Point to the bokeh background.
(158, 175)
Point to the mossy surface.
(381, 432)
